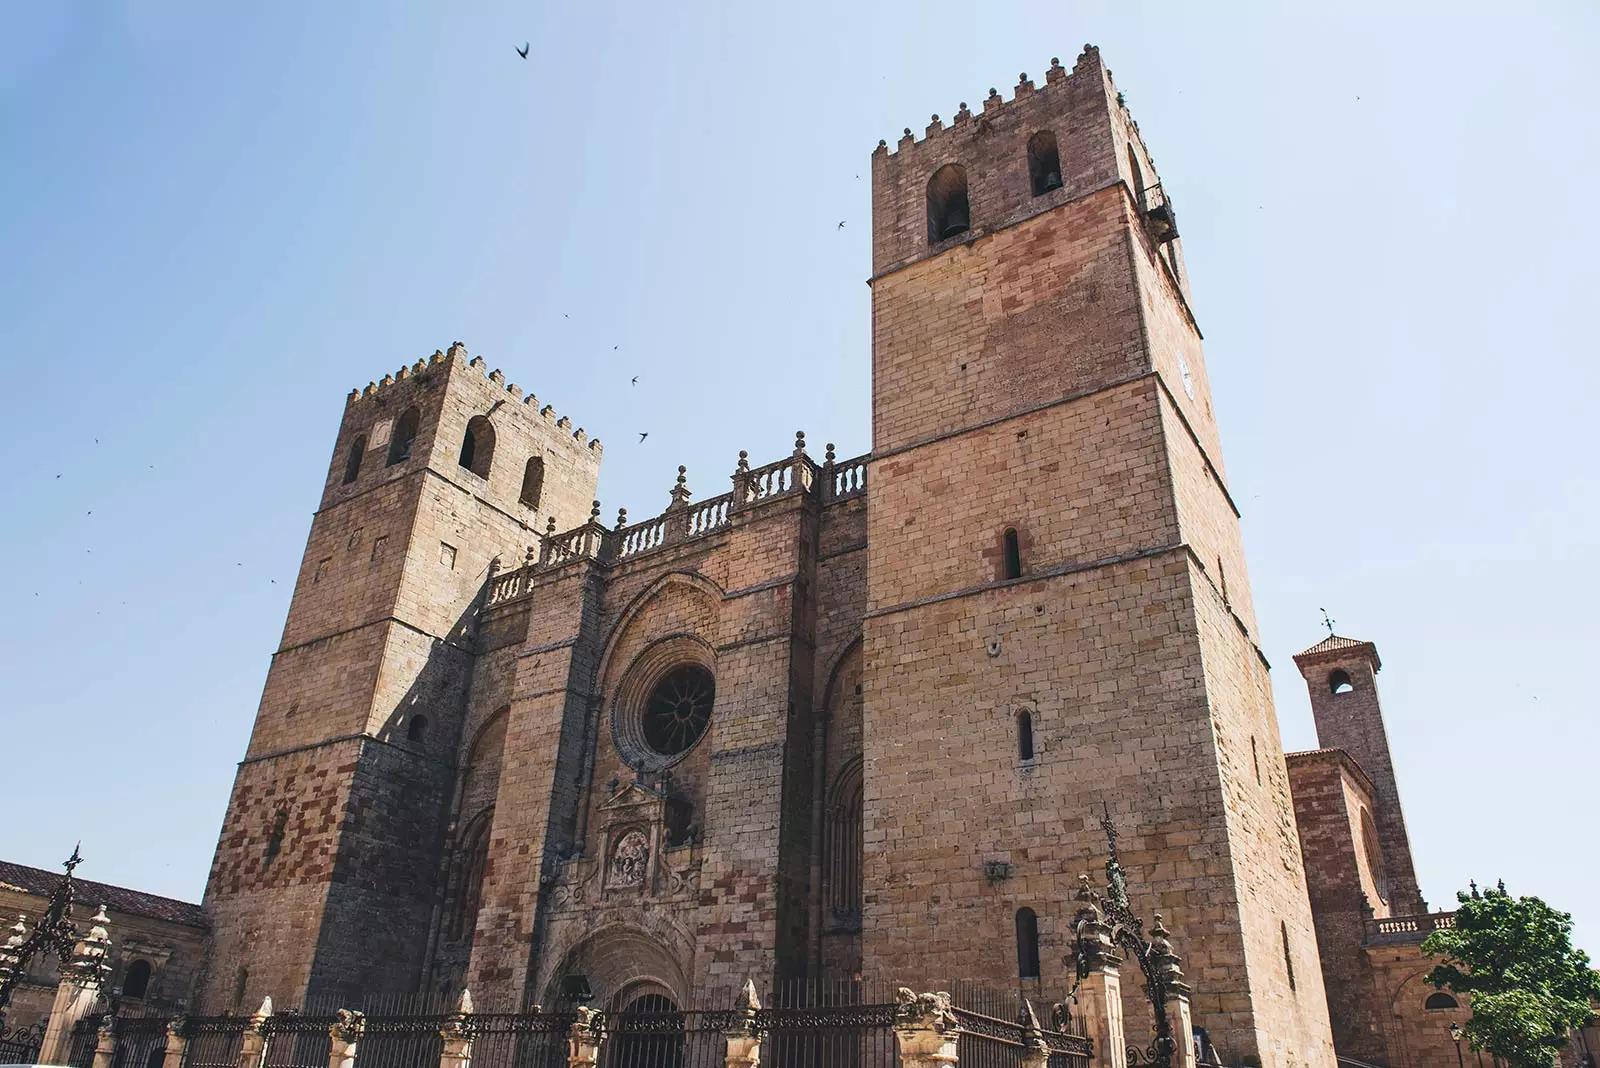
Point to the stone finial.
(933, 127)
(799, 442)
(497, 376)
(622, 518)
(529, 557)
(402, 374)
(386, 380)
(550, 527)
(1164, 960)
(464, 1006)
(420, 366)
(348, 1026)
(372, 387)
(264, 1013)
(476, 361)
(515, 390)
(594, 512)
(437, 357)
(923, 1010)
(828, 456)
(354, 393)
(744, 460)
(963, 113)
(1056, 71)
(906, 138)
(745, 1015)
(457, 348)
(680, 491)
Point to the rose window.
(676, 714)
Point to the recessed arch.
(136, 980)
(622, 961)
(466, 884)
(1339, 681)
(1136, 173)
(1440, 1000)
(949, 212)
(532, 482)
(844, 856)
(477, 446)
(1044, 163)
(404, 435)
(605, 668)
(417, 729)
(352, 463)
(633, 702)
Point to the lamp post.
(1456, 1034)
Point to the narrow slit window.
(1012, 554)
(136, 982)
(1288, 961)
(352, 464)
(1027, 944)
(1255, 759)
(949, 213)
(280, 825)
(1044, 163)
(1025, 735)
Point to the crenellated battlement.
(996, 107)
(443, 360)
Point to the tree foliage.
(1514, 958)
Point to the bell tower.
(323, 880)
(1059, 615)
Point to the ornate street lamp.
(55, 933)
(1456, 1035)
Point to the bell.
(1052, 181)
(956, 221)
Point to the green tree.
(1514, 957)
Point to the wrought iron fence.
(214, 1041)
(20, 1045)
(141, 1042)
(298, 1040)
(819, 1023)
(85, 1037)
(520, 1039)
(666, 1040)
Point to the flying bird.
(841, 224)
(636, 380)
(523, 51)
(644, 435)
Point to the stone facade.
(507, 746)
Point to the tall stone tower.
(1342, 678)
(1058, 611)
(324, 877)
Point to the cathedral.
(831, 717)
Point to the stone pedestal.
(253, 1043)
(1100, 1002)
(457, 1049)
(177, 1043)
(925, 1029)
(105, 1045)
(1182, 1028)
(345, 1036)
(584, 1038)
(744, 1037)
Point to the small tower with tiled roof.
(1342, 677)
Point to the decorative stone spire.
(799, 442)
(594, 512)
(828, 456)
(622, 518)
(89, 967)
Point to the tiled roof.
(92, 895)
(1334, 643)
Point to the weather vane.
(1326, 622)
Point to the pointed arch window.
(352, 463)
(949, 213)
(472, 857)
(1044, 163)
(1027, 944)
(404, 436)
(842, 834)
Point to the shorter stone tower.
(324, 877)
(1342, 677)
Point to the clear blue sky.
(218, 218)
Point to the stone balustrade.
(683, 521)
(1403, 930)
